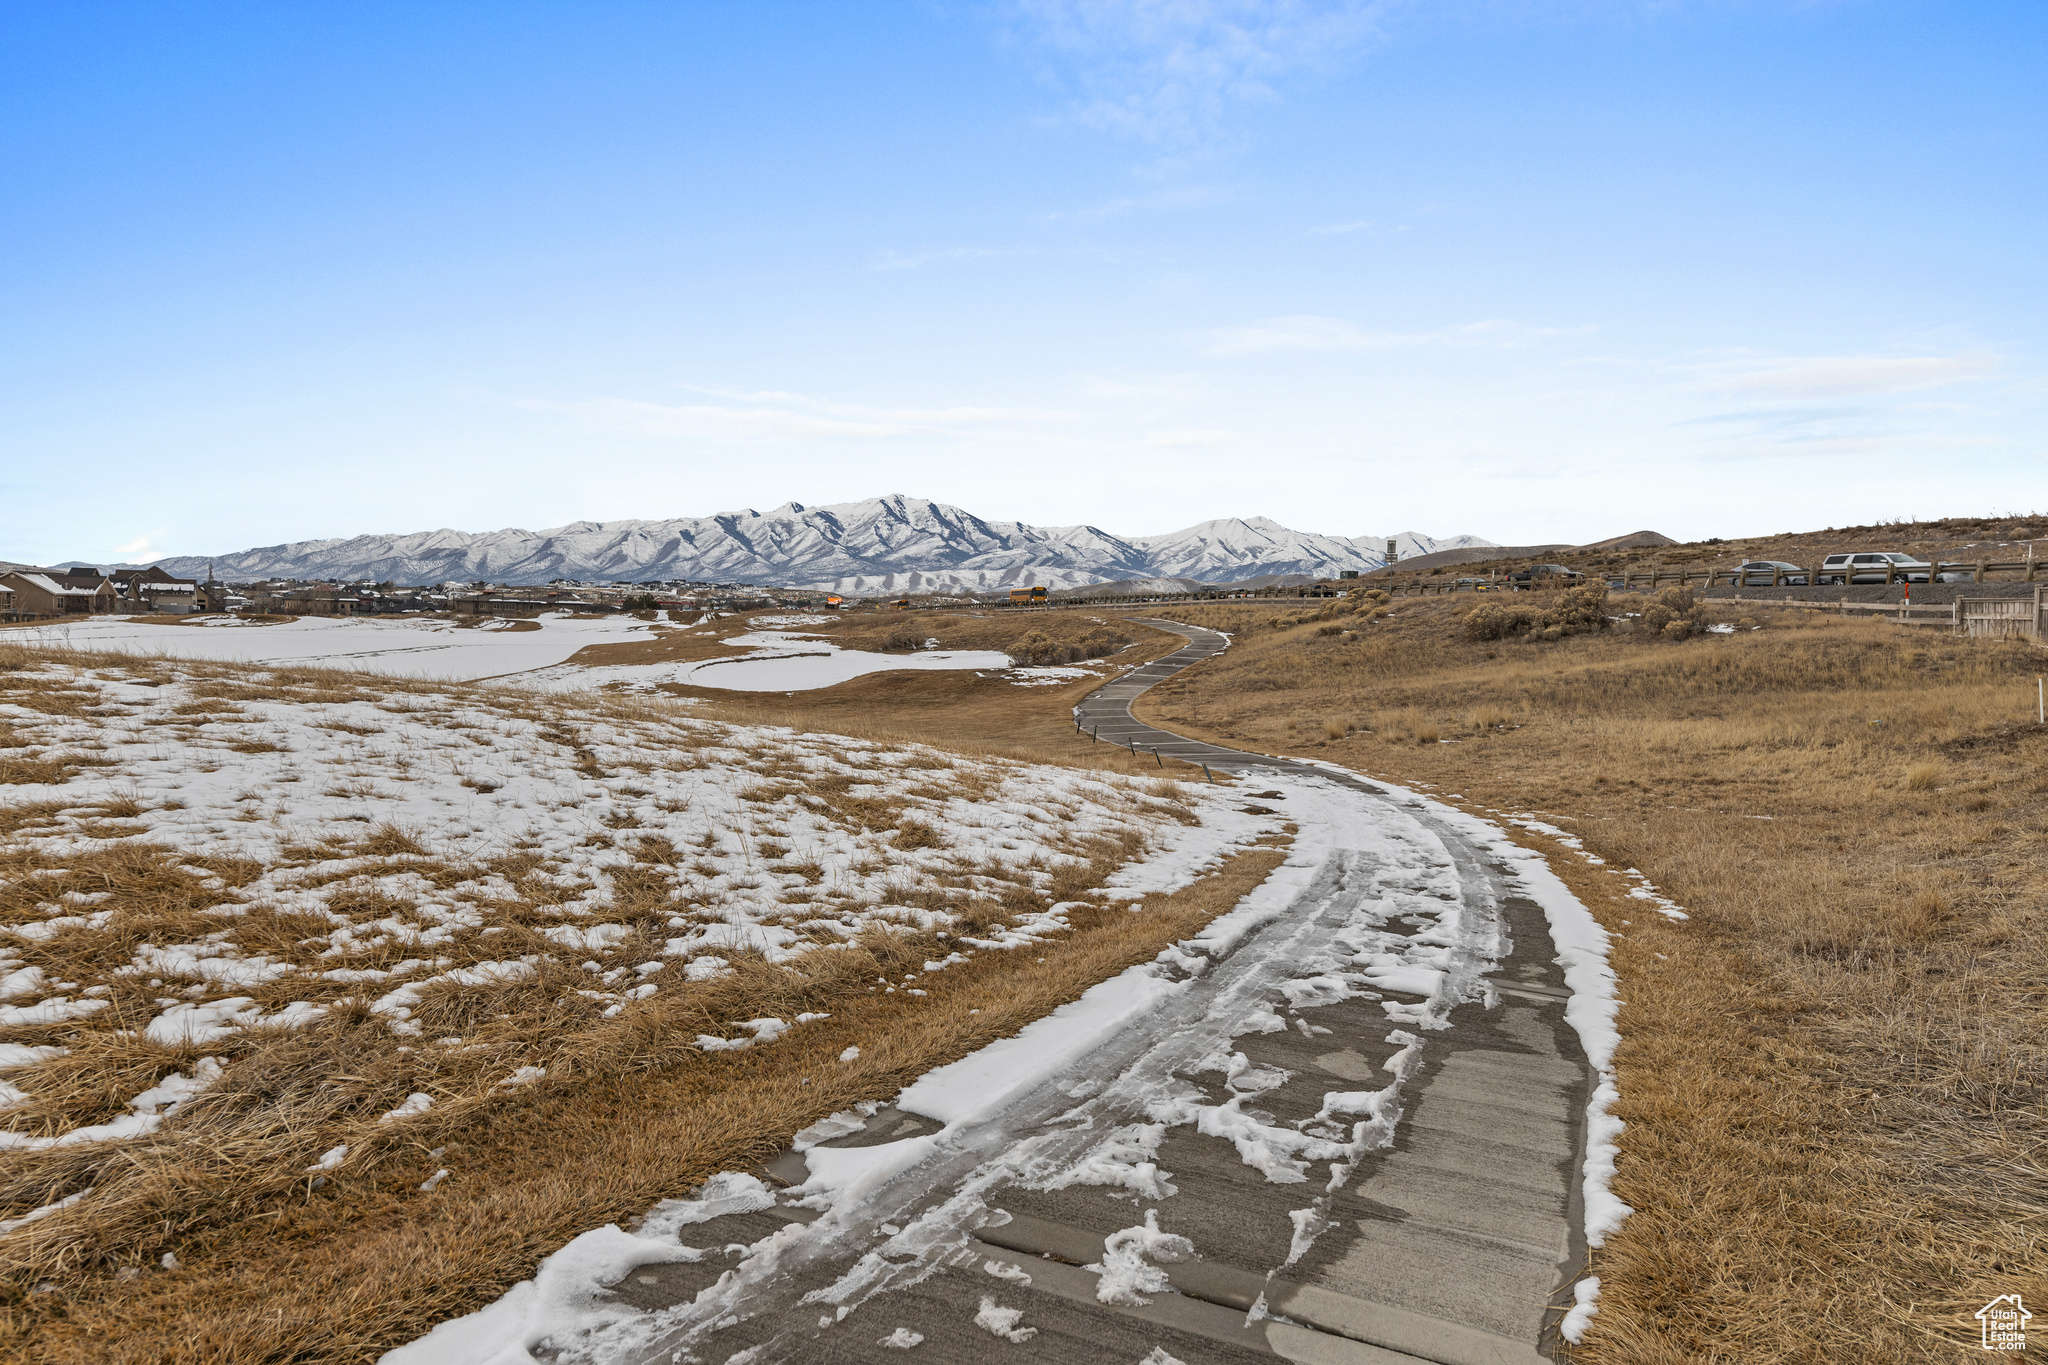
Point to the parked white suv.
(1871, 567)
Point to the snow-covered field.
(778, 657)
(406, 647)
(777, 661)
(216, 857)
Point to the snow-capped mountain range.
(883, 545)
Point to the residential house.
(152, 590)
(43, 593)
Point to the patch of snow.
(779, 664)
(330, 1159)
(1586, 1302)
(1002, 1322)
(415, 1103)
(10, 1224)
(1126, 1269)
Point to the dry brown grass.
(957, 710)
(274, 1269)
(1833, 1072)
(278, 1264)
(878, 631)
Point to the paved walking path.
(1273, 1163)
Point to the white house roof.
(49, 584)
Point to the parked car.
(1871, 566)
(1529, 576)
(1757, 573)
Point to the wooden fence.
(1999, 617)
(2023, 618)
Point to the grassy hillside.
(1951, 539)
(1833, 1071)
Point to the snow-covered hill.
(887, 545)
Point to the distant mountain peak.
(895, 543)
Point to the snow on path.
(1357, 864)
(408, 647)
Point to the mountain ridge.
(890, 544)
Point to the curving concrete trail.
(1349, 1131)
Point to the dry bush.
(1673, 614)
(1037, 649)
(1575, 611)
(1922, 777)
(1491, 620)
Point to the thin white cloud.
(1168, 71)
(1305, 332)
(136, 547)
(1806, 378)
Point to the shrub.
(1498, 620)
(1102, 641)
(1674, 614)
(1579, 611)
(903, 637)
(1036, 649)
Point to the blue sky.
(1537, 272)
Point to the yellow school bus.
(1020, 597)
